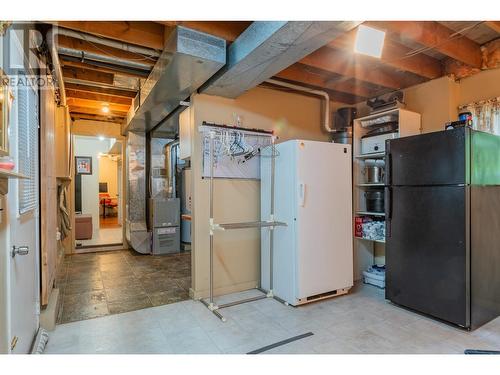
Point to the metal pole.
(211, 193)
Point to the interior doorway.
(98, 192)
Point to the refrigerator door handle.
(388, 168)
(302, 194)
(388, 210)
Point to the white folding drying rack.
(271, 224)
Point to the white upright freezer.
(313, 255)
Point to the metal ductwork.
(170, 165)
(188, 60)
(266, 48)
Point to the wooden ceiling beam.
(100, 90)
(97, 104)
(394, 55)
(301, 74)
(94, 111)
(87, 75)
(344, 63)
(89, 116)
(98, 97)
(493, 25)
(436, 36)
(228, 30)
(141, 33)
(82, 45)
(103, 69)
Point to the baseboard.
(48, 316)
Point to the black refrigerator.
(442, 207)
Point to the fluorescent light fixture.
(369, 41)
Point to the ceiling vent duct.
(265, 48)
(188, 60)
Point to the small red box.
(358, 226)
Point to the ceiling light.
(105, 109)
(369, 41)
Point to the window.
(27, 146)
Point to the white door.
(23, 198)
(324, 217)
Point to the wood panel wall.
(48, 193)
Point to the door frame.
(122, 199)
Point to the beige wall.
(108, 172)
(485, 85)
(236, 259)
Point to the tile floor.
(104, 283)
(361, 322)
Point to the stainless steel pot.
(374, 174)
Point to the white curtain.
(485, 115)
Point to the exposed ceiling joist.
(95, 104)
(100, 90)
(343, 63)
(433, 35)
(228, 30)
(81, 45)
(493, 25)
(141, 33)
(87, 75)
(395, 55)
(93, 117)
(302, 74)
(95, 111)
(65, 61)
(335, 96)
(98, 97)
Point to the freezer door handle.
(302, 194)
(388, 210)
(388, 168)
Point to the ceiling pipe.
(320, 93)
(82, 56)
(152, 53)
(57, 65)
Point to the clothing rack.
(270, 224)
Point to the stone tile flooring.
(360, 322)
(104, 283)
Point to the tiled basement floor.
(103, 283)
(361, 322)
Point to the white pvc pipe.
(57, 65)
(323, 94)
